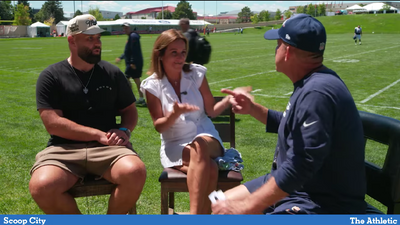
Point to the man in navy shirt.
(133, 59)
(319, 158)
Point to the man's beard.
(86, 55)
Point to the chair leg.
(164, 202)
(132, 211)
(171, 203)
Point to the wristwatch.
(126, 130)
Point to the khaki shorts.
(81, 159)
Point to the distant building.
(226, 17)
(335, 6)
(150, 13)
(108, 14)
(220, 19)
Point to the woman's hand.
(184, 108)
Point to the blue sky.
(209, 7)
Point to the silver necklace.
(85, 90)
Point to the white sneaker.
(355, 43)
(360, 43)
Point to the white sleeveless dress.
(189, 125)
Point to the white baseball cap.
(83, 24)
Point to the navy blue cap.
(301, 31)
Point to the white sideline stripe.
(381, 107)
(249, 57)
(271, 96)
(380, 91)
(257, 90)
(289, 93)
(25, 48)
(251, 75)
(363, 52)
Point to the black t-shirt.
(58, 87)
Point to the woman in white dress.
(179, 100)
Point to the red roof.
(218, 17)
(155, 9)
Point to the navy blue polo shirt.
(320, 149)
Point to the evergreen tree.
(6, 12)
(183, 10)
(50, 9)
(78, 13)
(245, 15)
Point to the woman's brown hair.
(161, 44)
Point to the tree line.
(52, 12)
(246, 15)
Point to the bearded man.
(78, 100)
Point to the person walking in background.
(318, 166)
(78, 100)
(190, 34)
(357, 34)
(133, 59)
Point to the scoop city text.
(32, 220)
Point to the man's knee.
(43, 184)
(133, 170)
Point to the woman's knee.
(209, 146)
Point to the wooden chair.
(383, 183)
(92, 187)
(173, 180)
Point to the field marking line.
(363, 53)
(271, 96)
(264, 95)
(248, 57)
(381, 107)
(380, 91)
(251, 75)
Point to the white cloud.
(105, 4)
(134, 8)
(269, 7)
(235, 5)
(170, 4)
(198, 11)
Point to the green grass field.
(371, 72)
